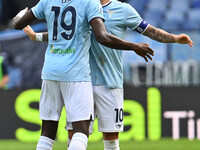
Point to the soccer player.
(66, 71)
(106, 66)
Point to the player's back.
(66, 57)
(106, 63)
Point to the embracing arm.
(165, 37)
(104, 38)
(23, 18)
(109, 40)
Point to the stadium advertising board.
(150, 113)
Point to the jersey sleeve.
(38, 10)
(132, 18)
(94, 10)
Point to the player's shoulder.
(91, 1)
(119, 3)
(127, 6)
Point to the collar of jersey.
(107, 4)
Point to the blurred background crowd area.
(172, 65)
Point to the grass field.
(164, 144)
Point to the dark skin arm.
(101, 35)
(165, 37)
(20, 23)
(109, 40)
(141, 46)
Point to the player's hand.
(29, 31)
(184, 39)
(144, 51)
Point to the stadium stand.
(173, 20)
(157, 5)
(182, 6)
(138, 5)
(175, 16)
(169, 14)
(193, 15)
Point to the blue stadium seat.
(180, 52)
(195, 3)
(194, 15)
(196, 55)
(170, 25)
(154, 17)
(174, 18)
(175, 15)
(138, 5)
(160, 5)
(190, 25)
(180, 5)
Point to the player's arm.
(36, 36)
(109, 40)
(165, 37)
(23, 18)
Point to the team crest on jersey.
(100, 9)
(110, 13)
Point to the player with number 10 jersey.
(106, 66)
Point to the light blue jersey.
(106, 64)
(67, 54)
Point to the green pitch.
(164, 144)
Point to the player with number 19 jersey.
(67, 54)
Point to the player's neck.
(104, 2)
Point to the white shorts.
(77, 97)
(108, 108)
